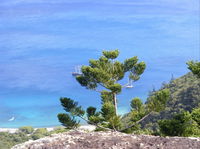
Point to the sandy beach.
(14, 130)
(10, 130)
(82, 127)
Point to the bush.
(26, 129)
(36, 136)
(39, 133)
(180, 125)
(58, 130)
(196, 115)
(7, 140)
(133, 129)
(42, 131)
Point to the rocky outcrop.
(109, 140)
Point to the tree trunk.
(115, 102)
(137, 121)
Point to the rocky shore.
(109, 140)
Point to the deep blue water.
(41, 41)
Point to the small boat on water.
(77, 71)
(129, 84)
(11, 119)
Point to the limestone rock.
(109, 140)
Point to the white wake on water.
(11, 119)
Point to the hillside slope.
(185, 95)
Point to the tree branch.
(103, 85)
(137, 121)
(94, 124)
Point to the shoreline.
(14, 130)
(82, 127)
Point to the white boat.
(11, 119)
(77, 71)
(129, 84)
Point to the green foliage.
(184, 96)
(91, 111)
(108, 114)
(40, 133)
(26, 129)
(115, 88)
(181, 124)
(130, 63)
(36, 136)
(139, 68)
(155, 103)
(134, 129)
(136, 104)
(106, 96)
(106, 72)
(5, 145)
(158, 101)
(7, 140)
(136, 115)
(105, 118)
(58, 129)
(108, 110)
(137, 110)
(115, 122)
(111, 54)
(95, 119)
(194, 67)
(103, 73)
(93, 116)
(136, 71)
(71, 107)
(196, 115)
(138, 131)
(68, 121)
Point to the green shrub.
(58, 130)
(180, 125)
(39, 133)
(196, 115)
(37, 136)
(42, 131)
(26, 129)
(7, 140)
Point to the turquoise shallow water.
(40, 110)
(42, 41)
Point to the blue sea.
(42, 41)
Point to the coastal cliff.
(109, 140)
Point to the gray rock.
(109, 140)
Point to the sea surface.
(42, 41)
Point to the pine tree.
(194, 67)
(105, 73)
(155, 103)
(102, 75)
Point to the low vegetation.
(7, 140)
(182, 124)
(194, 67)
